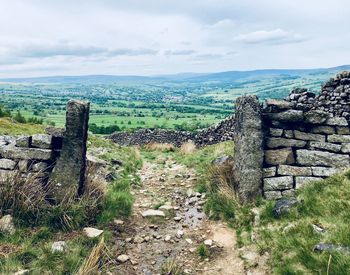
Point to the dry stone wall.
(28, 154)
(223, 131)
(58, 157)
(301, 146)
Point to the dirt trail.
(152, 242)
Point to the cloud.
(179, 52)
(131, 52)
(272, 37)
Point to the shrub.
(202, 251)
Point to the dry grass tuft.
(188, 148)
(170, 267)
(164, 147)
(23, 197)
(222, 180)
(92, 263)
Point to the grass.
(170, 267)
(10, 127)
(38, 223)
(324, 203)
(202, 251)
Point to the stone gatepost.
(68, 176)
(248, 150)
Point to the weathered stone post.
(248, 151)
(68, 176)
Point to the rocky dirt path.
(174, 227)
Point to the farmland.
(184, 102)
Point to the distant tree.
(19, 118)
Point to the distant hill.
(228, 76)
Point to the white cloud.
(272, 37)
(157, 36)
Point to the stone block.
(338, 138)
(12, 152)
(42, 141)
(300, 181)
(345, 148)
(308, 136)
(273, 195)
(23, 165)
(288, 170)
(288, 193)
(276, 142)
(328, 130)
(279, 156)
(269, 172)
(325, 146)
(316, 117)
(337, 121)
(288, 116)
(278, 183)
(39, 167)
(321, 158)
(324, 171)
(289, 134)
(275, 132)
(68, 176)
(343, 131)
(7, 174)
(23, 141)
(7, 164)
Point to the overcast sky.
(148, 37)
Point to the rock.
(249, 147)
(179, 233)
(277, 105)
(138, 239)
(223, 160)
(6, 225)
(167, 238)
(193, 200)
(91, 232)
(325, 146)
(324, 171)
(309, 136)
(283, 206)
(339, 138)
(345, 148)
(280, 156)
(190, 193)
(166, 207)
(7, 164)
(58, 247)
(300, 181)
(39, 167)
(284, 142)
(42, 141)
(123, 258)
(320, 158)
(12, 152)
(153, 213)
(69, 172)
(329, 130)
(337, 121)
(23, 141)
(318, 229)
(288, 170)
(251, 258)
(269, 172)
(316, 117)
(208, 242)
(189, 241)
(287, 116)
(93, 161)
(332, 248)
(177, 219)
(275, 132)
(118, 222)
(278, 183)
(343, 131)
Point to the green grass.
(202, 251)
(324, 203)
(10, 127)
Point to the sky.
(152, 37)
